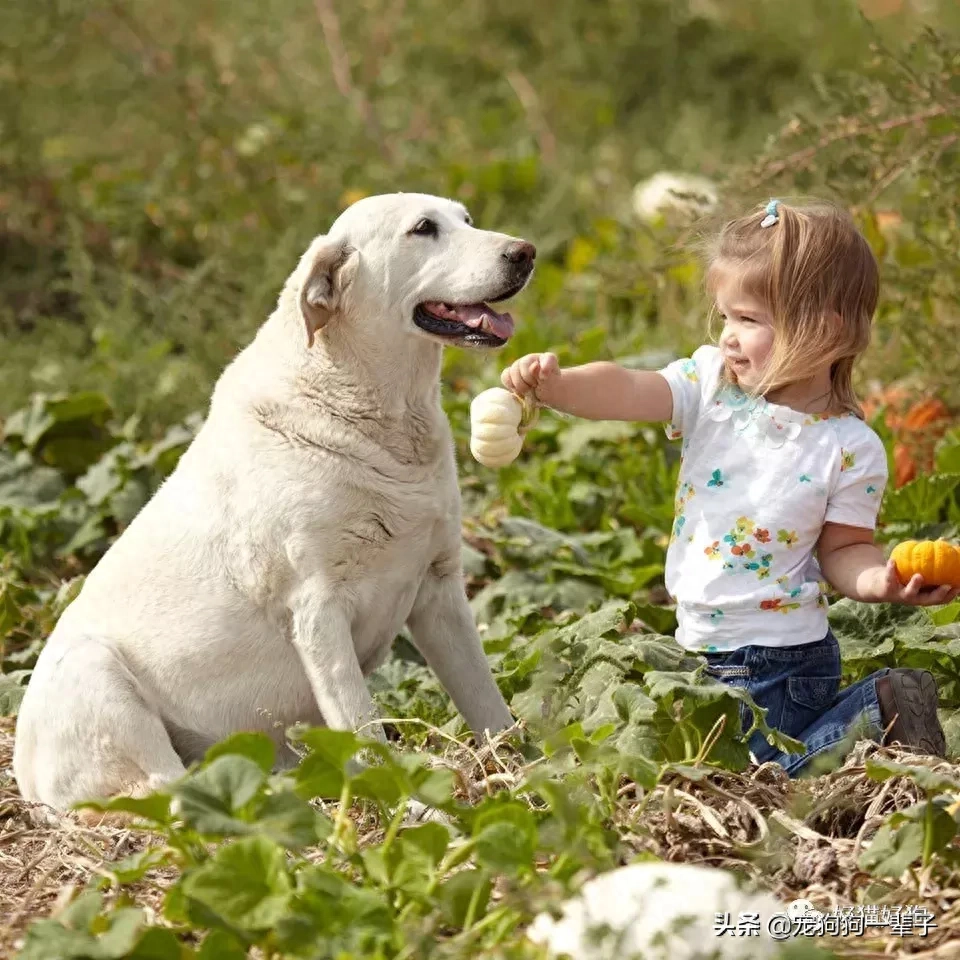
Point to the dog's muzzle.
(478, 324)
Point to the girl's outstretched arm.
(596, 391)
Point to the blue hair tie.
(772, 216)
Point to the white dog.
(316, 513)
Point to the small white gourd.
(498, 421)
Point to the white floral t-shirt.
(757, 483)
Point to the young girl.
(778, 467)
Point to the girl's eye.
(747, 320)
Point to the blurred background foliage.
(162, 165)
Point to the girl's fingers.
(940, 595)
(912, 590)
(933, 596)
(526, 374)
(517, 377)
(549, 365)
(529, 369)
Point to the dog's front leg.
(324, 641)
(444, 631)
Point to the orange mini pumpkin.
(937, 561)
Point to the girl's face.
(747, 338)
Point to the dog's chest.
(383, 554)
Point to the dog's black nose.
(520, 252)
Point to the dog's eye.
(426, 228)
(468, 220)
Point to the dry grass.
(800, 839)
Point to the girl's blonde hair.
(819, 279)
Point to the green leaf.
(433, 787)
(641, 770)
(325, 908)
(209, 799)
(68, 938)
(901, 841)
(123, 933)
(948, 453)
(84, 405)
(575, 438)
(893, 850)
(322, 772)
(105, 477)
(950, 721)
(942, 616)
(431, 838)
(25, 483)
(386, 784)
(80, 913)
(246, 883)
(506, 836)
(921, 500)
(632, 703)
(135, 867)
(290, 821)
(866, 631)
(660, 620)
(48, 939)
(30, 423)
(928, 780)
(159, 943)
(220, 945)
(475, 563)
(465, 893)
(610, 620)
(257, 747)
(182, 910)
(11, 690)
(155, 807)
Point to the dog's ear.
(331, 265)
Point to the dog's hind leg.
(86, 731)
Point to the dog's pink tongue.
(480, 315)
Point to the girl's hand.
(915, 593)
(532, 373)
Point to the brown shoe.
(908, 701)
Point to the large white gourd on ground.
(659, 911)
(498, 421)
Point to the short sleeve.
(690, 379)
(855, 499)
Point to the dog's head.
(413, 265)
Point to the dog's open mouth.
(476, 324)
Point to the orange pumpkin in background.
(937, 561)
(917, 425)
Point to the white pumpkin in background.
(687, 194)
(498, 421)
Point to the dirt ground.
(799, 839)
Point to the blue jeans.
(800, 688)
